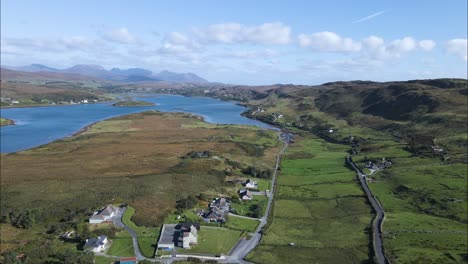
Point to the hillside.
(21, 88)
(419, 126)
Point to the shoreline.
(199, 117)
(8, 122)
(50, 105)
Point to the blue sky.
(244, 42)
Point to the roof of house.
(108, 210)
(188, 225)
(95, 242)
(167, 234)
(97, 217)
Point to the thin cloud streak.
(370, 16)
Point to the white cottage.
(96, 244)
(103, 215)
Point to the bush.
(257, 172)
(186, 203)
(194, 260)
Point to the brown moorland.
(140, 159)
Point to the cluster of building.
(378, 165)
(184, 235)
(245, 193)
(217, 210)
(104, 215)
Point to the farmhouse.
(245, 194)
(182, 235)
(188, 235)
(103, 215)
(250, 184)
(96, 244)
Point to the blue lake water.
(40, 125)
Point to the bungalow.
(245, 194)
(103, 215)
(96, 244)
(251, 184)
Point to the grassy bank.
(6, 122)
(133, 103)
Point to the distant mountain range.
(116, 74)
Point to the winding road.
(378, 220)
(117, 221)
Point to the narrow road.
(378, 220)
(244, 246)
(117, 220)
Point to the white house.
(188, 236)
(251, 184)
(247, 196)
(104, 215)
(96, 244)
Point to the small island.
(6, 122)
(133, 103)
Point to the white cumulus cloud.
(267, 33)
(458, 47)
(178, 44)
(405, 44)
(427, 44)
(328, 42)
(120, 35)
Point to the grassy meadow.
(214, 241)
(319, 207)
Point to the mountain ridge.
(114, 74)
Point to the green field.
(319, 207)
(215, 241)
(104, 260)
(122, 245)
(247, 208)
(241, 224)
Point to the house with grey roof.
(184, 235)
(103, 215)
(96, 244)
(217, 211)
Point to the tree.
(76, 257)
(9, 257)
(186, 203)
